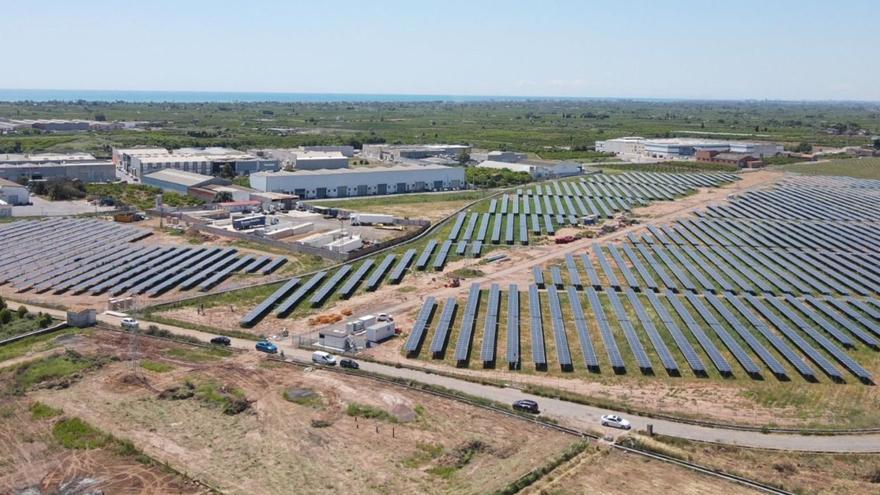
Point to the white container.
(371, 218)
(380, 331)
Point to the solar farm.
(94, 258)
(512, 219)
(779, 283)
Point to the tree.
(5, 316)
(22, 311)
(463, 157)
(100, 117)
(2, 303)
(228, 171)
(223, 197)
(803, 148)
(877, 144)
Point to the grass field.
(861, 168)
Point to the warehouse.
(13, 193)
(400, 152)
(538, 170)
(15, 158)
(671, 148)
(209, 161)
(85, 171)
(180, 181)
(366, 181)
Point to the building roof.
(357, 170)
(180, 177)
(56, 164)
(45, 157)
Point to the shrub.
(74, 433)
(22, 311)
(42, 411)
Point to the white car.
(129, 323)
(615, 421)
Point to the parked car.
(615, 421)
(349, 363)
(526, 405)
(129, 323)
(221, 340)
(267, 347)
(321, 357)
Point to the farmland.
(860, 168)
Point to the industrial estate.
(463, 295)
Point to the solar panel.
(441, 336)
(422, 262)
(456, 228)
(490, 328)
(627, 274)
(605, 331)
(414, 341)
(376, 278)
(717, 359)
(556, 276)
(539, 355)
(325, 290)
(472, 224)
(666, 358)
(256, 264)
(400, 268)
(795, 338)
(831, 329)
(222, 274)
(563, 353)
(573, 273)
(287, 306)
(463, 345)
(513, 346)
(538, 275)
(440, 259)
(496, 228)
(351, 285)
(523, 230)
(261, 309)
(273, 265)
(732, 345)
(508, 231)
(484, 227)
(603, 262)
(476, 249)
(591, 361)
(640, 268)
(629, 332)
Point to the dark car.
(221, 341)
(526, 405)
(349, 363)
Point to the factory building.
(13, 193)
(346, 150)
(304, 159)
(85, 171)
(538, 170)
(364, 181)
(209, 161)
(16, 158)
(676, 148)
(398, 153)
(180, 181)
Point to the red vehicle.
(564, 239)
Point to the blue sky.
(773, 49)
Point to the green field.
(563, 129)
(862, 168)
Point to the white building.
(305, 159)
(13, 193)
(346, 150)
(14, 158)
(397, 152)
(362, 181)
(208, 161)
(538, 170)
(671, 148)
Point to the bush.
(491, 178)
(22, 311)
(369, 412)
(42, 411)
(74, 433)
(5, 316)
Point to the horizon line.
(500, 97)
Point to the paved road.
(576, 415)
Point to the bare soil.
(279, 446)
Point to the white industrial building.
(306, 159)
(85, 171)
(399, 152)
(345, 149)
(538, 170)
(15, 158)
(13, 193)
(209, 161)
(672, 148)
(499, 156)
(362, 181)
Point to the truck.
(249, 222)
(370, 218)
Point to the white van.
(321, 357)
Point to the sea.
(18, 95)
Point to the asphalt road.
(575, 415)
